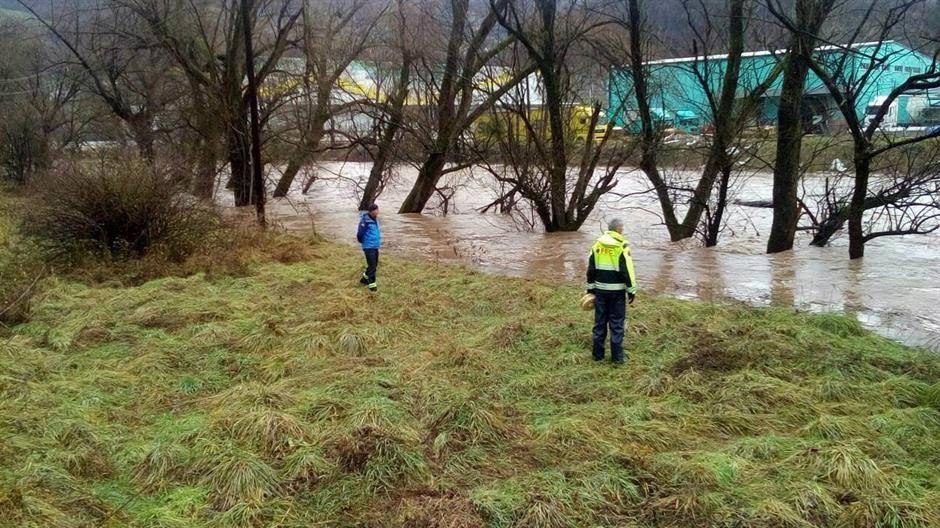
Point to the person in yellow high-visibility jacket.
(612, 280)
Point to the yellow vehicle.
(496, 125)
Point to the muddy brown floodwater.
(894, 290)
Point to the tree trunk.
(294, 164)
(558, 155)
(726, 129)
(371, 191)
(204, 182)
(715, 165)
(240, 179)
(714, 226)
(302, 156)
(649, 140)
(251, 93)
(811, 15)
(446, 129)
(827, 229)
(857, 207)
(142, 130)
(789, 143)
(204, 145)
(379, 165)
(423, 189)
(649, 167)
(382, 158)
(204, 179)
(390, 131)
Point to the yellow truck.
(497, 124)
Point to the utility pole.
(257, 180)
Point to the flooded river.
(894, 290)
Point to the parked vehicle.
(909, 111)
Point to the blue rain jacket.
(369, 234)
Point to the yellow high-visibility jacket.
(610, 266)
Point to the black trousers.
(372, 266)
(610, 310)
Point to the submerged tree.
(728, 109)
(447, 87)
(334, 34)
(550, 165)
(903, 197)
(850, 78)
(388, 115)
(804, 27)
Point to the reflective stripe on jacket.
(610, 266)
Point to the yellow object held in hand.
(587, 301)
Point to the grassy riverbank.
(284, 395)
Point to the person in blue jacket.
(370, 236)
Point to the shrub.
(23, 146)
(118, 208)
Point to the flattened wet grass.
(285, 395)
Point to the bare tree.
(39, 102)
(206, 40)
(903, 197)
(450, 96)
(121, 67)
(849, 77)
(906, 196)
(335, 33)
(805, 26)
(257, 184)
(728, 109)
(388, 128)
(542, 144)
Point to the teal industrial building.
(678, 99)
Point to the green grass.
(20, 264)
(287, 396)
